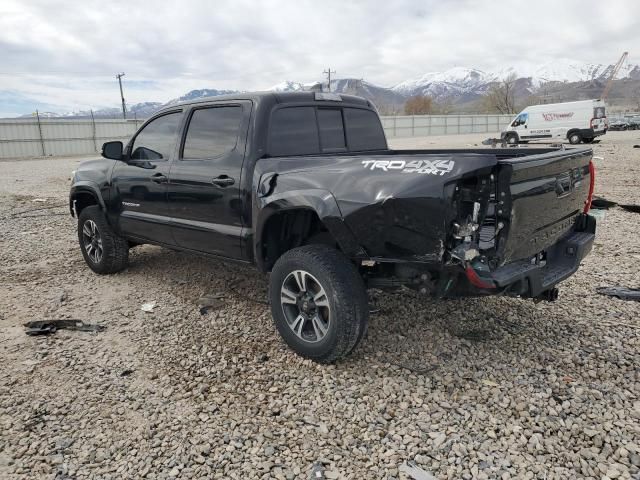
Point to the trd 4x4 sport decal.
(430, 167)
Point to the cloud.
(67, 53)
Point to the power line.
(328, 73)
(124, 108)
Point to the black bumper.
(562, 260)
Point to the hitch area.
(550, 295)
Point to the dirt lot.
(479, 388)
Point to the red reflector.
(592, 184)
(475, 280)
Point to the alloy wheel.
(92, 241)
(305, 306)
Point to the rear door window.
(364, 131)
(294, 132)
(331, 130)
(212, 132)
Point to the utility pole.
(328, 73)
(124, 108)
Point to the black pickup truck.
(303, 186)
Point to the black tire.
(114, 250)
(511, 138)
(346, 312)
(574, 138)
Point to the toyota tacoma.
(303, 186)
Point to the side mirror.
(112, 150)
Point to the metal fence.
(427, 125)
(53, 137)
(33, 137)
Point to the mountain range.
(460, 87)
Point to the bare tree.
(501, 96)
(418, 105)
(636, 95)
(443, 106)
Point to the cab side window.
(520, 120)
(157, 139)
(212, 132)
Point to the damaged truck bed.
(304, 186)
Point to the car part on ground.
(623, 293)
(47, 327)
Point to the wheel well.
(290, 229)
(572, 131)
(83, 200)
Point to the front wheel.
(103, 250)
(318, 302)
(512, 139)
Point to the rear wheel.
(102, 249)
(574, 138)
(318, 302)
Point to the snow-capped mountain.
(287, 86)
(196, 94)
(461, 81)
(456, 81)
(457, 85)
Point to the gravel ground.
(476, 388)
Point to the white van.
(575, 121)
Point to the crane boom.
(616, 68)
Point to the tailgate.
(542, 195)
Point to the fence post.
(93, 129)
(44, 154)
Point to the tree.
(443, 106)
(418, 105)
(501, 96)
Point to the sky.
(63, 55)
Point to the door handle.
(223, 181)
(159, 178)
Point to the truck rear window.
(331, 130)
(294, 132)
(309, 130)
(364, 131)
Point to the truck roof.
(278, 98)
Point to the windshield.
(520, 120)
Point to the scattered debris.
(148, 307)
(494, 142)
(40, 200)
(210, 302)
(622, 293)
(46, 327)
(489, 383)
(631, 208)
(636, 146)
(127, 372)
(317, 472)
(602, 203)
(415, 472)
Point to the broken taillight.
(592, 183)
